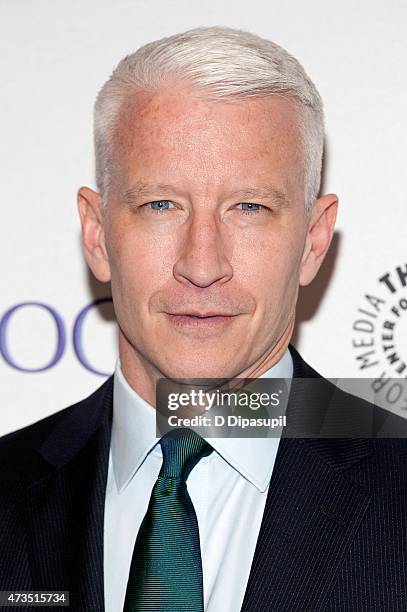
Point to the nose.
(203, 258)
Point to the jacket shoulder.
(15, 443)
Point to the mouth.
(202, 321)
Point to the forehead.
(177, 130)
(177, 107)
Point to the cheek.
(139, 263)
(268, 256)
(269, 268)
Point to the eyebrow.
(268, 192)
(143, 189)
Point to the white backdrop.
(56, 55)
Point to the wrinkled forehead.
(180, 128)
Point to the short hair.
(224, 63)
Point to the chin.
(199, 370)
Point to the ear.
(319, 236)
(93, 236)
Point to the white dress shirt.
(228, 489)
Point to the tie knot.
(182, 449)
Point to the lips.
(201, 315)
(206, 323)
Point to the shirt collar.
(134, 434)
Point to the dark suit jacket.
(333, 535)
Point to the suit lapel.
(311, 515)
(310, 519)
(65, 503)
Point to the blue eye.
(159, 205)
(250, 207)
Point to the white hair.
(224, 63)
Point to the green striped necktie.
(166, 567)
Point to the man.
(206, 222)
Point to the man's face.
(205, 231)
